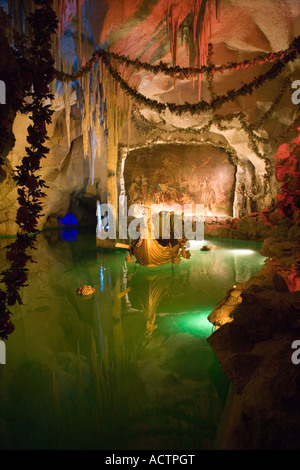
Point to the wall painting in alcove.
(181, 174)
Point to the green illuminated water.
(105, 372)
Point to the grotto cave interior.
(107, 108)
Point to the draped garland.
(110, 63)
(220, 120)
(217, 120)
(280, 60)
(180, 72)
(42, 24)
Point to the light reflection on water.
(106, 372)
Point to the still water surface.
(131, 371)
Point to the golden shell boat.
(150, 253)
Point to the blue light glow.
(101, 279)
(67, 235)
(68, 219)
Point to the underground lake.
(128, 367)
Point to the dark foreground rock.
(256, 325)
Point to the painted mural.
(181, 174)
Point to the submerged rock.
(205, 248)
(256, 325)
(85, 290)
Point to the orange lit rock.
(85, 290)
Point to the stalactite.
(202, 26)
(93, 147)
(129, 122)
(198, 34)
(85, 114)
(60, 15)
(111, 141)
(210, 16)
(98, 128)
(78, 20)
(97, 115)
(93, 98)
(217, 9)
(67, 103)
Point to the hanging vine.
(42, 24)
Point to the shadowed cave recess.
(145, 102)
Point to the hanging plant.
(42, 24)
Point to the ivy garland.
(154, 127)
(218, 120)
(280, 58)
(202, 105)
(179, 72)
(43, 23)
(209, 73)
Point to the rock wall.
(134, 30)
(66, 172)
(256, 325)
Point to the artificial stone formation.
(256, 325)
(241, 31)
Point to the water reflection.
(109, 372)
(67, 235)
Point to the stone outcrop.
(256, 325)
(280, 222)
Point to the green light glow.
(195, 323)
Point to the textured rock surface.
(243, 31)
(253, 344)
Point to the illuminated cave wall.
(244, 30)
(181, 174)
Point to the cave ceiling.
(243, 29)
